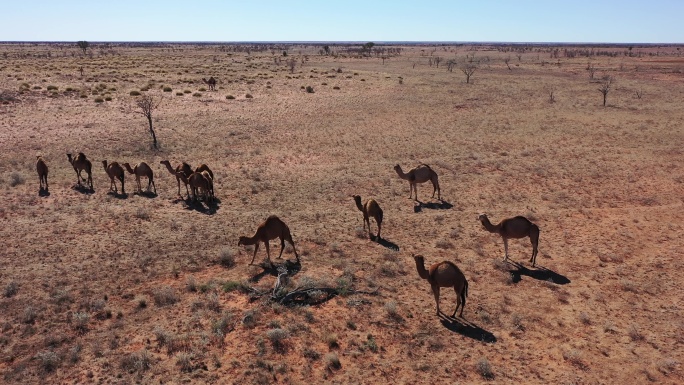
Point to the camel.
(444, 274)
(184, 169)
(420, 174)
(272, 228)
(114, 170)
(211, 83)
(81, 163)
(42, 169)
(198, 183)
(204, 167)
(210, 184)
(370, 209)
(142, 169)
(514, 228)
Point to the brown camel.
(42, 169)
(210, 184)
(198, 184)
(142, 169)
(272, 228)
(204, 167)
(514, 228)
(183, 169)
(81, 163)
(444, 274)
(370, 209)
(114, 170)
(420, 174)
(211, 83)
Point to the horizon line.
(347, 42)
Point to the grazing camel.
(370, 209)
(272, 228)
(420, 174)
(114, 170)
(210, 184)
(211, 83)
(183, 169)
(142, 169)
(81, 163)
(514, 228)
(198, 183)
(204, 167)
(444, 274)
(42, 169)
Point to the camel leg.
(379, 228)
(282, 247)
(534, 237)
(268, 253)
(153, 185)
(435, 291)
(505, 249)
(459, 303)
(256, 248)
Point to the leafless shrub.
(146, 105)
(469, 70)
(184, 361)
(639, 93)
(80, 321)
(142, 213)
(226, 258)
(606, 84)
(574, 357)
(165, 296)
(191, 284)
(667, 365)
(332, 361)
(634, 333)
(485, 369)
(11, 289)
(16, 179)
(584, 318)
(277, 336)
(391, 309)
(48, 361)
(311, 354)
(137, 362)
(29, 315)
(213, 302)
(444, 244)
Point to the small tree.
(292, 63)
(507, 60)
(326, 49)
(469, 70)
(605, 87)
(147, 105)
(83, 45)
(450, 64)
(592, 71)
(437, 60)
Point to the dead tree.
(507, 60)
(592, 71)
(437, 60)
(605, 87)
(469, 70)
(147, 105)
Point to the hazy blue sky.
(615, 21)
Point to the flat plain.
(136, 288)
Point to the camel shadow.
(43, 192)
(442, 205)
(210, 209)
(117, 195)
(467, 329)
(540, 273)
(385, 243)
(146, 194)
(272, 269)
(83, 189)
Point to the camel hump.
(424, 165)
(81, 156)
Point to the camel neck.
(420, 266)
(489, 226)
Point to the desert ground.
(105, 288)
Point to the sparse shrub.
(80, 321)
(277, 337)
(29, 315)
(142, 303)
(99, 100)
(332, 361)
(443, 244)
(336, 88)
(48, 361)
(391, 309)
(191, 284)
(311, 354)
(108, 98)
(485, 369)
(635, 334)
(179, 94)
(249, 319)
(213, 302)
(187, 91)
(331, 341)
(142, 213)
(309, 89)
(16, 179)
(197, 94)
(167, 89)
(145, 89)
(74, 354)
(135, 93)
(248, 96)
(83, 96)
(230, 97)
(11, 289)
(351, 325)
(184, 360)
(137, 362)
(52, 88)
(226, 258)
(370, 343)
(165, 296)
(584, 318)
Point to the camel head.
(69, 157)
(397, 167)
(357, 199)
(419, 258)
(483, 219)
(104, 163)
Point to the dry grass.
(154, 288)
